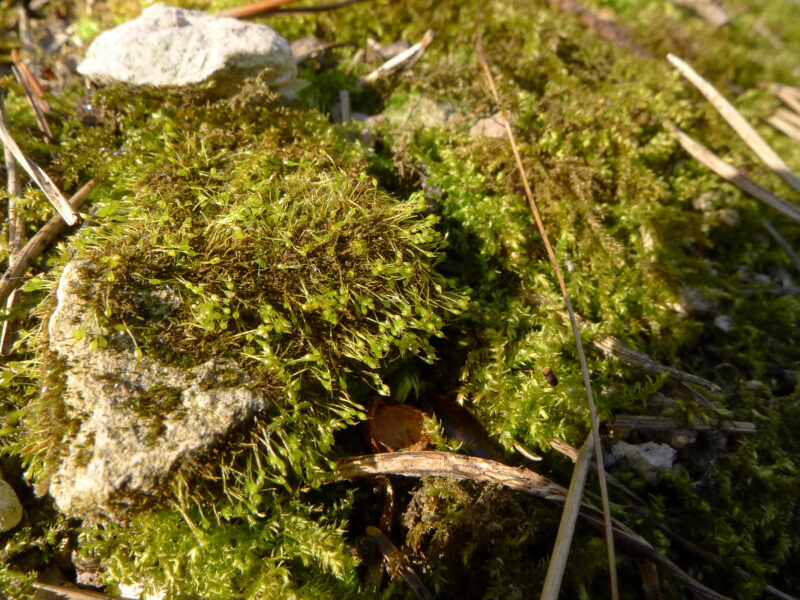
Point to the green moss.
(252, 231)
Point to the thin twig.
(33, 83)
(658, 423)
(256, 9)
(598, 450)
(33, 101)
(12, 278)
(405, 56)
(734, 175)
(393, 558)
(16, 238)
(739, 124)
(41, 179)
(779, 239)
(299, 10)
(566, 528)
(458, 466)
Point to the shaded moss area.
(312, 254)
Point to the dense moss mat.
(313, 254)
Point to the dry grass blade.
(783, 244)
(566, 528)
(12, 278)
(598, 450)
(788, 115)
(734, 175)
(41, 179)
(412, 53)
(784, 126)
(457, 466)
(787, 94)
(256, 9)
(393, 558)
(740, 125)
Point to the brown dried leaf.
(390, 428)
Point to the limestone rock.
(489, 127)
(170, 46)
(10, 507)
(139, 419)
(649, 460)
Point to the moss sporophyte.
(249, 252)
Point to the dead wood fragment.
(12, 278)
(587, 383)
(779, 239)
(394, 563)
(739, 124)
(41, 179)
(607, 30)
(457, 466)
(734, 175)
(614, 348)
(403, 58)
(566, 528)
(658, 423)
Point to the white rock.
(139, 419)
(489, 127)
(10, 507)
(650, 460)
(170, 46)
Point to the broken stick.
(41, 179)
(12, 278)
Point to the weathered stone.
(140, 419)
(489, 127)
(649, 460)
(170, 46)
(10, 507)
(306, 47)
